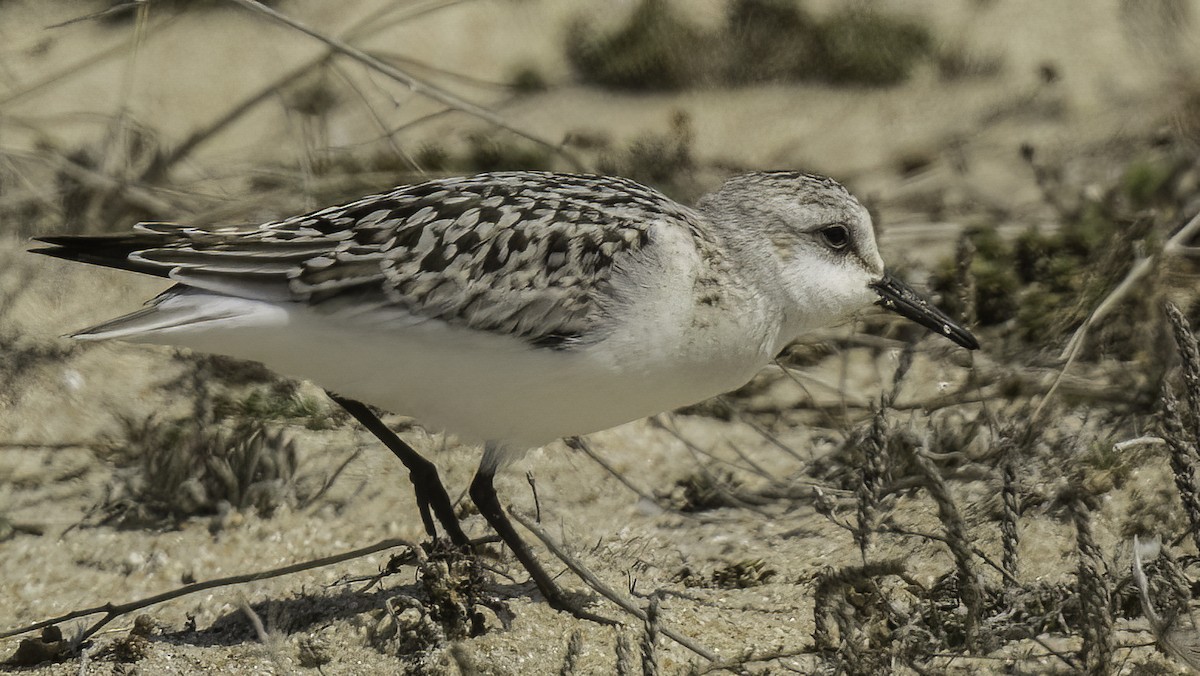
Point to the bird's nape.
(902, 299)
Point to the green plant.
(497, 153)
(661, 160)
(177, 469)
(1045, 283)
(772, 41)
(653, 50)
(274, 403)
(761, 41)
(865, 47)
(1144, 182)
(528, 80)
(957, 61)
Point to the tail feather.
(176, 309)
(110, 251)
(251, 270)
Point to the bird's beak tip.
(902, 299)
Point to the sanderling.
(515, 308)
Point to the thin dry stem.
(871, 477)
(581, 445)
(416, 85)
(649, 637)
(1182, 456)
(112, 611)
(964, 257)
(1189, 358)
(1095, 598)
(970, 589)
(1009, 534)
(604, 590)
(574, 647)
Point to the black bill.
(902, 299)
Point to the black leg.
(483, 494)
(424, 475)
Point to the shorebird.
(515, 308)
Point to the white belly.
(481, 386)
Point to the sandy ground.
(1114, 92)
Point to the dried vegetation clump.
(988, 472)
(446, 605)
(984, 606)
(879, 613)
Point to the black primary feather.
(109, 251)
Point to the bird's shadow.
(285, 616)
(309, 611)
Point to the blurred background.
(1033, 165)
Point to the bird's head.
(823, 246)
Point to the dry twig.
(1140, 270)
(574, 647)
(649, 636)
(1095, 598)
(604, 590)
(970, 589)
(416, 85)
(1181, 454)
(113, 611)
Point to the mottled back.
(527, 254)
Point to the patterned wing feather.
(527, 254)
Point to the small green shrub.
(1043, 285)
(1144, 182)
(484, 152)
(863, 47)
(275, 403)
(772, 41)
(761, 41)
(1046, 282)
(313, 97)
(178, 469)
(654, 50)
(528, 80)
(497, 153)
(702, 491)
(662, 160)
(433, 157)
(956, 61)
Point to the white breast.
(661, 352)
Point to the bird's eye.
(836, 236)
